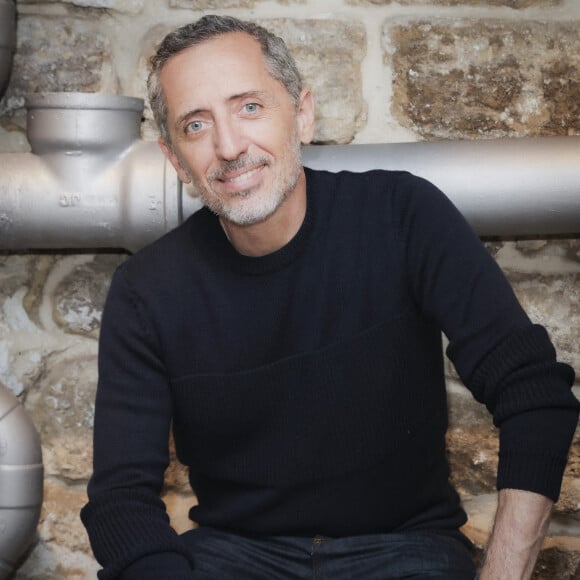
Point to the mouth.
(240, 180)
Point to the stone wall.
(381, 71)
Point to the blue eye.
(194, 127)
(251, 107)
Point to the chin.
(251, 211)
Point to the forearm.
(521, 523)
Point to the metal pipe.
(504, 187)
(7, 41)
(91, 183)
(21, 481)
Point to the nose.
(229, 140)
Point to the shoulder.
(395, 196)
(375, 177)
(374, 182)
(163, 267)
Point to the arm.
(125, 518)
(521, 522)
(510, 365)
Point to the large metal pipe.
(91, 183)
(21, 481)
(505, 187)
(7, 41)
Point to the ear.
(174, 160)
(306, 116)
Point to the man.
(290, 333)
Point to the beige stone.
(62, 406)
(69, 458)
(329, 54)
(485, 78)
(56, 54)
(79, 298)
(121, 6)
(60, 518)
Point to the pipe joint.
(90, 182)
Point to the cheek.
(276, 142)
(198, 162)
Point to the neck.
(275, 231)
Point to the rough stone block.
(58, 55)
(122, 6)
(79, 298)
(62, 403)
(21, 353)
(487, 78)
(60, 521)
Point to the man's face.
(235, 131)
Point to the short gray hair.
(279, 61)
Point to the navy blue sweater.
(305, 388)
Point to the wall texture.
(381, 71)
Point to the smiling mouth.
(239, 173)
(241, 178)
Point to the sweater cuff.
(166, 566)
(533, 450)
(538, 473)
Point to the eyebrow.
(237, 97)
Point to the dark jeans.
(220, 555)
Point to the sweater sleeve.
(508, 363)
(125, 517)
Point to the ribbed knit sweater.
(305, 388)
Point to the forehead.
(224, 65)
